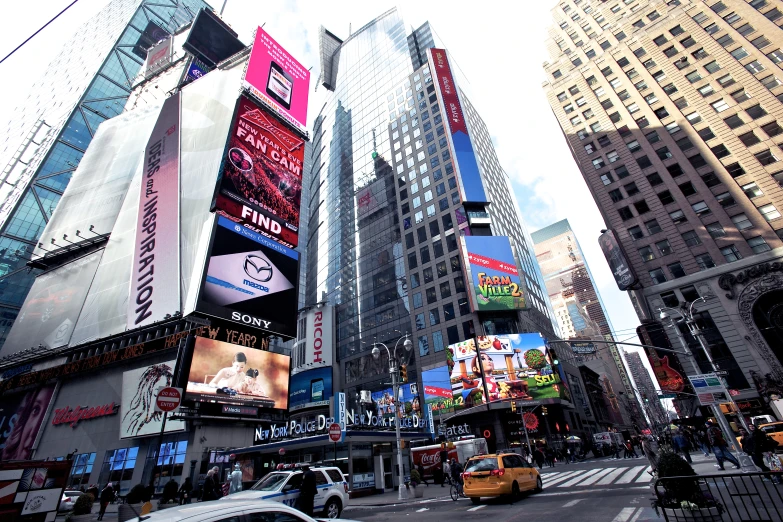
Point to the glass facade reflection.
(86, 84)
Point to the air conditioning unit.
(365, 397)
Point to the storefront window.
(168, 463)
(118, 466)
(82, 467)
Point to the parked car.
(68, 500)
(244, 511)
(775, 432)
(499, 475)
(283, 486)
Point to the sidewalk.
(431, 492)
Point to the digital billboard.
(621, 268)
(138, 417)
(210, 39)
(21, 416)
(471, 186)
(407, 402)
(278, 79)
(492, 274)
(511, 367)
(226, 373)
(310, 388)
(250, 279)
(260, 182)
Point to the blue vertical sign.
(340, 415)
(429, 420)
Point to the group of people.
(550, 456)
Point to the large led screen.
(406, 403)
(513, 367)
(21, 416)
(138, 417)
(310, 388)
(493, 274)
(260, 184)
(231, 374)
(250, 279)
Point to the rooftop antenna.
(223, 8)
(349, 29)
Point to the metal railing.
(735, 497)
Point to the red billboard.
(260, 183)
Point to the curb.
(396, 502)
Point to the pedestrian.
(759, 444)
(456, 472)
(185, 491)
(616, 448)
(420, 469)
(701, 438)
(307, 491)
(446, 472)
(107, 495)
(538, 456)
(627, 450)
(681, 444)
(550, 457)
(649, 451)
(719, 446)
(212, 489)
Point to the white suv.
(283, 486)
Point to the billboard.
(250, 280)
(159, 56)
(260, 182)
(138, 417)
(493, 275)
(210, 39)
(621, 268)
(279, 80)
(316, 348)
(666, 365)
(226, 373)
(32, 490)
(310, 388)
(156, 249)
(406, 404)
(21, 417)
(511, 367)
(471, 187)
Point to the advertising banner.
(250, 279)
(138, 417)
(621, 268)
(21, 417)
(665, 364)
(513, 367)
(225, 373)
(260, 182)
(471, 187)
(32, 490)
(155, 276)
(310, 389)
(406, 404)
(315, 350)
(279, 80)
(493, 275)
(583, 348)
(158, 57)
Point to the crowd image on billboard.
(504, 367)
(261, 178)
(230, 374)
(407, 402)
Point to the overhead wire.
(38, 31)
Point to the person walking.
(446, 472)
(212, 489)
(420, 469)
(649, 451)
(185, 491)
(616, 451)
(307, 491)
(681, 444)
(107, 495)
(760, 443)
(704, 445)
(550, 457)
(720, 446)
(538, 456)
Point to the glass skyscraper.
(86, 84)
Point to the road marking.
(573, 502)
(422, 509)
(579, 478)
(482, 506)
(562, 478)
(624, 514)
(595, 478)
(644, 477)
(636, 516)
(611, 476)
(628, 477)
(585, 491)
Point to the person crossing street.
(719, 446)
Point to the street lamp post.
(686, 315)
(395, 375)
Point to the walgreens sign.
(72, 416)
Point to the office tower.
(645, 389)
(579, 310)
(672, 111)
(87, 83)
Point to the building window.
(772, 129)
(693, 117)
(752, 190)
(82, 467)
(464, 308)
(654, 179)
(646, 254)
(437, 341)
(726, 80)
(720, 105)
(691, 238)
(766, 157)
(644, 162)
(631, 189)
(635, 232)
(678, 217)
(720, 151)
(758, 245)
(607, 178)
(770, 82)
(741, 221)
(710, 179)
(701, 208)
(693, 76)
(598, 163)
(769, 212)
(625, 213)
(715, 230)
(666, 197)
(705, 261)
(612, 156)
(663, 153)
(118, 466)
(754, 67)
(660, 40)
(434, 317)
(756, 111)
(730, 253)
(621, 172)
(749, 138)
(664, 247)
(168, 462)
(697, 161)
(641, 207)
(725, 199)
(657, 276)
(735, 170)
(687, 189)
(675, 170)
(676, 270)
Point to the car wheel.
(515, 494)
(333, 508)
(475, 500)
(539, 485)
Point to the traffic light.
(644, 396)
(404, 373)
(513, 406)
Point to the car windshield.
(486, 464)
(271, 482)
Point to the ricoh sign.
(316, 350)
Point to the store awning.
(322, 440)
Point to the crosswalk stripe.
(608, 479)
(561, 478)
(579, 478)
(644, 477)
(624, 514)
(477, 507)
(630, 475)
(595, 478)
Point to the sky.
(501, 57)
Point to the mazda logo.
(258, 268)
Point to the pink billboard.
(279, 80)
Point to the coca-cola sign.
(430, 458)
(72, 416)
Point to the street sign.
(722, 373)
(667, 395)
(281, 451)
(709, 389)
(168, 399)
(335, 433)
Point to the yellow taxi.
(499, 474)
(775, 432)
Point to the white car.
(244, 511)
(68, 499)
(283, 486)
